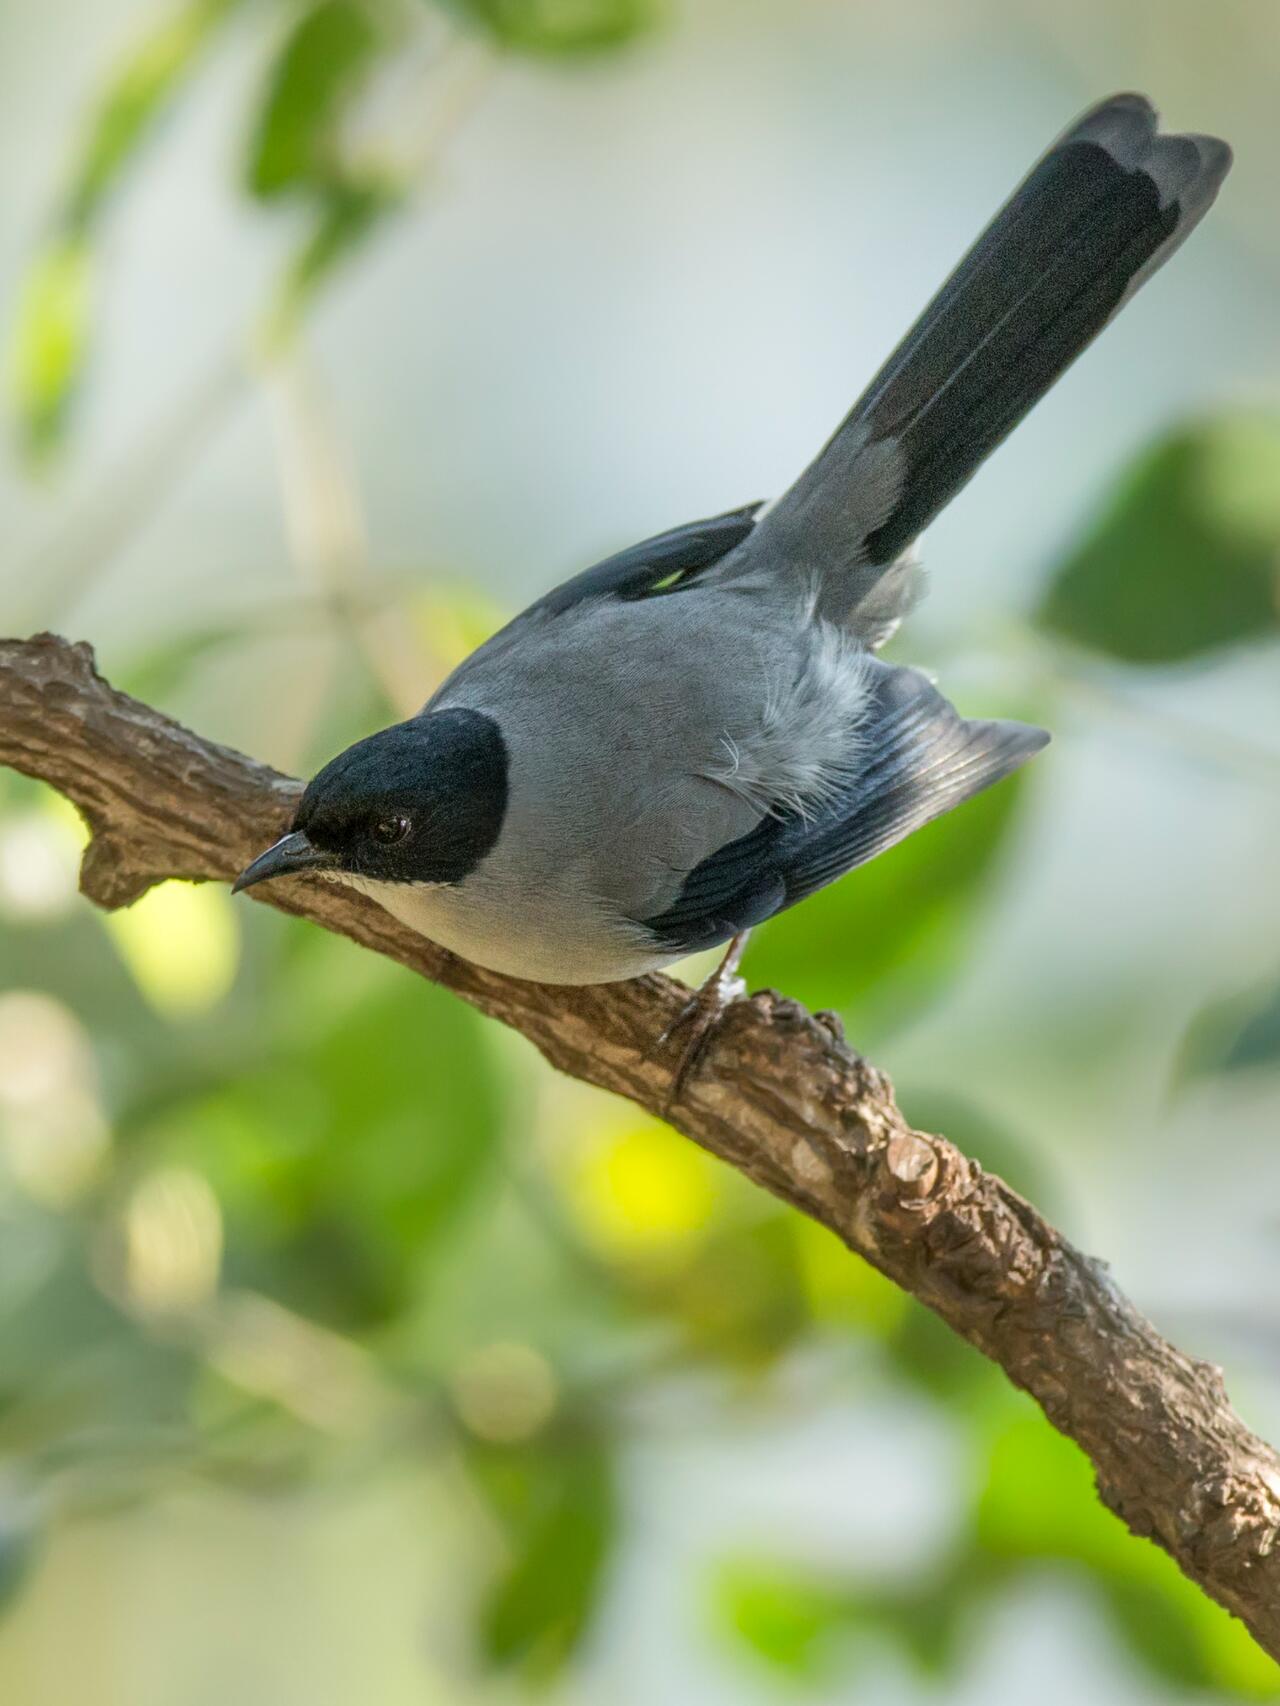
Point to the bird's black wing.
(918, 758)
(660, 564)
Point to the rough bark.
(780, 1097)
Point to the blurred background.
(346, 1353)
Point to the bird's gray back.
(660, 729)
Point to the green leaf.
(347, 215)
(564, 26)
(1257, 1041)
(1185, 556)
(414, 1110)
(320, 66)
(134, 99)
(50, 338)
(18, 1544)
(1239, 1034)
(558, 1505)
(781, 1616)
(881, 942)
(813, 1630)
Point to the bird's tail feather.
(1106, 206)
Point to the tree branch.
(780, 1097)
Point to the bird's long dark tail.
(1106, 206)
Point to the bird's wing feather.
(664, 563)
(638, 572)
(919, 759)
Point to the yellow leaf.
(49, 338)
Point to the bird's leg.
(702, 1013)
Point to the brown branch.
(781, 1098)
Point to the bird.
(697, 733)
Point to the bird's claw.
(701, 1016)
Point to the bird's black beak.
(293, 852)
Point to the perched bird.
(682, 741)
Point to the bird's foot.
(700, 1017)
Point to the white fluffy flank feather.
(806, 744)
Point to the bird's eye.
(388, 830)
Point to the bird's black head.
(421, 802)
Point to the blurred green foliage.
(150, 77)
(51, 337)
(271, 1205)
(1185, 557)
(1036, 1508)
(50, 341)
(898, 926)
(558, 1510)
(564, 26)
(302, 146)
(298, 149)
(295, 142)
(1240, 1033)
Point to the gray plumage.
(691, 736)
